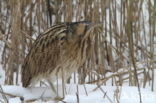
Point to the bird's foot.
(58, 98)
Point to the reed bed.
(124, 52)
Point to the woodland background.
(127, 40)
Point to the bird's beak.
(91, 27)
(94, 25)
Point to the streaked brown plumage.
(62, 48)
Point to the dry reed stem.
(127, 35)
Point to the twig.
(85, 89)
(105, 94)
(77, 95)
(78, 100)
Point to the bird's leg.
(53, 87)
(57, 98)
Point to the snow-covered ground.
(2, 75)
(82, 93)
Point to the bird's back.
(44, 54)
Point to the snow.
(15, 100)
(2, 75)
(82, 93)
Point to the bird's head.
(81, 30)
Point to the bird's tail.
(26, 76)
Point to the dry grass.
(128, 36)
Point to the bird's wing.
(44, 54)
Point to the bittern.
(63, 48)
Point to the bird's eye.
(63, 38)
(80, 30)
(81, 36)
